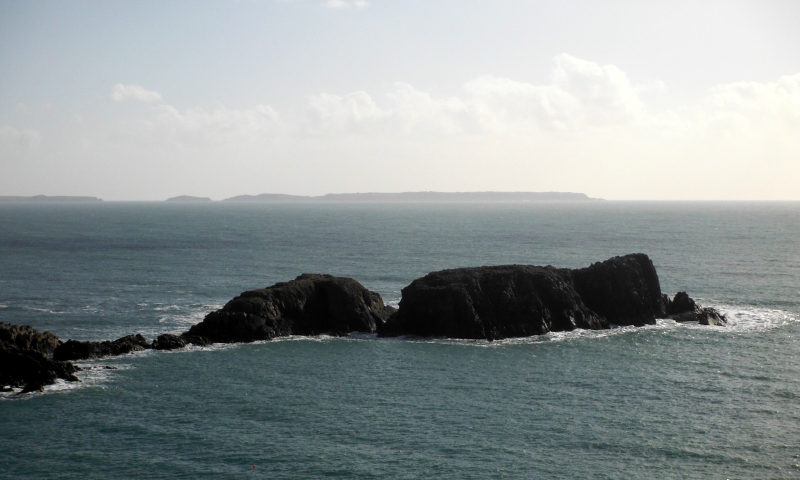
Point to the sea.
(668, 401)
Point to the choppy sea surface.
(664, 402)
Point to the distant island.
(421, 197)
(188, 198)
(45, 198)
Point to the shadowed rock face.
(521, 300)
(77, 350)
(24, 337)
(625, 290)
(309, 305)
(492, 303)
(24, 358)
(168, 341)
(683, 309)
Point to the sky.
(622, 100)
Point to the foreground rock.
(520, 300)
(77, 350)
(311, 304)
(24, 358)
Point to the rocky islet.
(491, 303)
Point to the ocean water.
(666, 401)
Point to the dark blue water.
(667, 401)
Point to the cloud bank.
(582, 94)
(122, 92)
(588, 129)
(341, 4)
(18, 139)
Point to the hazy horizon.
(620, 100)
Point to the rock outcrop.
(475, 303)
(24, 361)
(625, 290)
(78, 350)
(683, 309)
(521, 300)
(311, 304)
(168, 341)
(491, 303)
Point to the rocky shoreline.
(490, 303)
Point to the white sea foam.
(751, 318)
(181, 317)
(740, 318)
(92, 374)
(45, 310)
(168, 308)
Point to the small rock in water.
(33, 387)
(168, 341)
(684, 309)
(77, 350)
(311, 304)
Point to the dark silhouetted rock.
(18, 368)
(492, 303)
(24, 358)
(682, 303)
(683, 309)
(522, 300)
(77, 350)
(24, 337)
(625, 290)
(33, 387)
(309, 305)
(702, 316)
(168, 341)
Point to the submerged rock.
(311, 304)
(77, 350)
(24, 358)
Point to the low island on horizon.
(419, 197)
(48, 198)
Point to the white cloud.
(345, 4)
(775, 103)
(411, 111)
(200, 127)
(586, 129)
(605, 94)
(15, 139)
(122, 92)
(581, 94)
